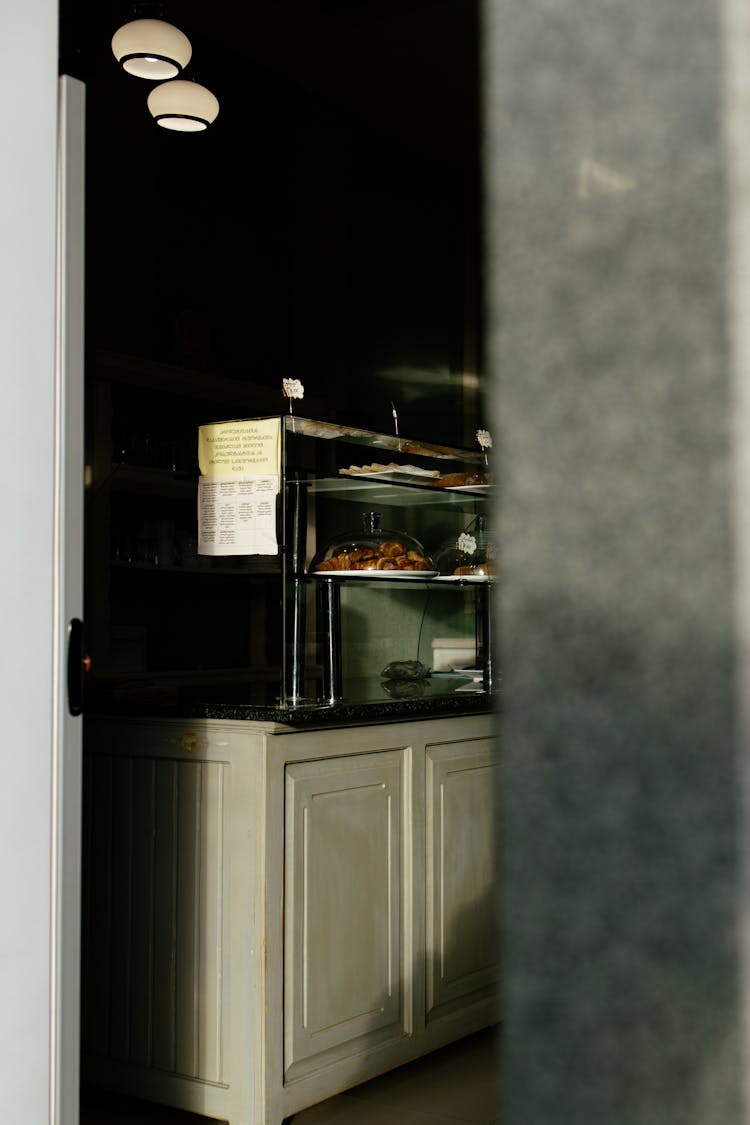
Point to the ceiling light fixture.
(151, 49)
(183, 106)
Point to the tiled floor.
(457, 1085)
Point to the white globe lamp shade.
(151, 49)
(183, 106)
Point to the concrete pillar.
(617, 208)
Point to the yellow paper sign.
(246, 446)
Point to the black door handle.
(78, 665)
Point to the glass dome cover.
(373, 551)
(470, 555)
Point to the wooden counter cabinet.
(273, 916)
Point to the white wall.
(28, 82)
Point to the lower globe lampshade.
(183, 106)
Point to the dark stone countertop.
(346, 714)
(241, 704)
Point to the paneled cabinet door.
(345, 939)
(462, 940)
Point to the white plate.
(465, 487)
(412, 575)
(449, 674)
(478, 579)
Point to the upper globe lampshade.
(151, 49)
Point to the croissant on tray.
(389, 555)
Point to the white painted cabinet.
(460, 853)
(344, 921)
(272, 916)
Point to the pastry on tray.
(391, 467)
(463, 480)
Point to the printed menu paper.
(240, 471)
(237, 515)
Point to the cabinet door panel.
(344, 922)
(155, 931)
(462, 962)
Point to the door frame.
(38, 950)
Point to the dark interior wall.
(298, 236)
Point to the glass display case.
(363, 515)
(350, 610)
